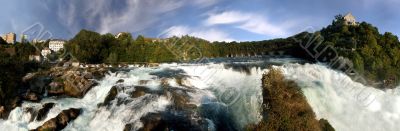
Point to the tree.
(140, 40)
(112, 58)
(87, 46)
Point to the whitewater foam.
(207, 82)
(347, 105)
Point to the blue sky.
(214, 20)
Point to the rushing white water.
(212, 84)
(347, 105)
(233, 89)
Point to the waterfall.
(225, 94)
(237, 94)
(347, 105)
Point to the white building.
(350, 19)
(56, 45)
(45, 52)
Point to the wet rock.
(88, 75)
(77, 86)
(152, 121)
(325, 126)
(111, 95)
(164, 83)
(55, 89)
(31, 96)
(42, 113)
(179, 81)
(61, 121)
(180, 99)
(28, 77)
(31, 111)
(15, 102)
(120, 81)
(98, 73)
(128, 127)
(178, 121)
(2, 112)
(143, 82)
(139, 91)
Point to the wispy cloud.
(247, 21)
(207, 34)
(205, 3)
(119, 15)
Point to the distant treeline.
(374, 55)
(92, 47)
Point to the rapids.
(226, 93)
(347, 105)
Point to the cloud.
(205, 3)
(119, 15)
(247, 21)
(114, 15)
(207, 34)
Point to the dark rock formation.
(61, 121)
(31, 96)
(285, 107)
(166, 121)
(120, 81)
(42, 113)
(140, 91)
(60, 81)
(55, 89)
(2, 112)
(111, 95)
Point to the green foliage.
(373, 54)
(91, 47)
(13, 68)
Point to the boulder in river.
(42, 113)
(2, 111)
(61, 121)
(31, 96)
(76, 86)
(111, 95)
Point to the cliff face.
(285, 107)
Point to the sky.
(213, 20)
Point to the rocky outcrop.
(285, 107)
(179, 115)
(61, 121)
(111, 95)
(42, 113)
(61, 81)
(31, 96)
(76, 85)
(140, 91)
(55, 89)
(165, 121)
